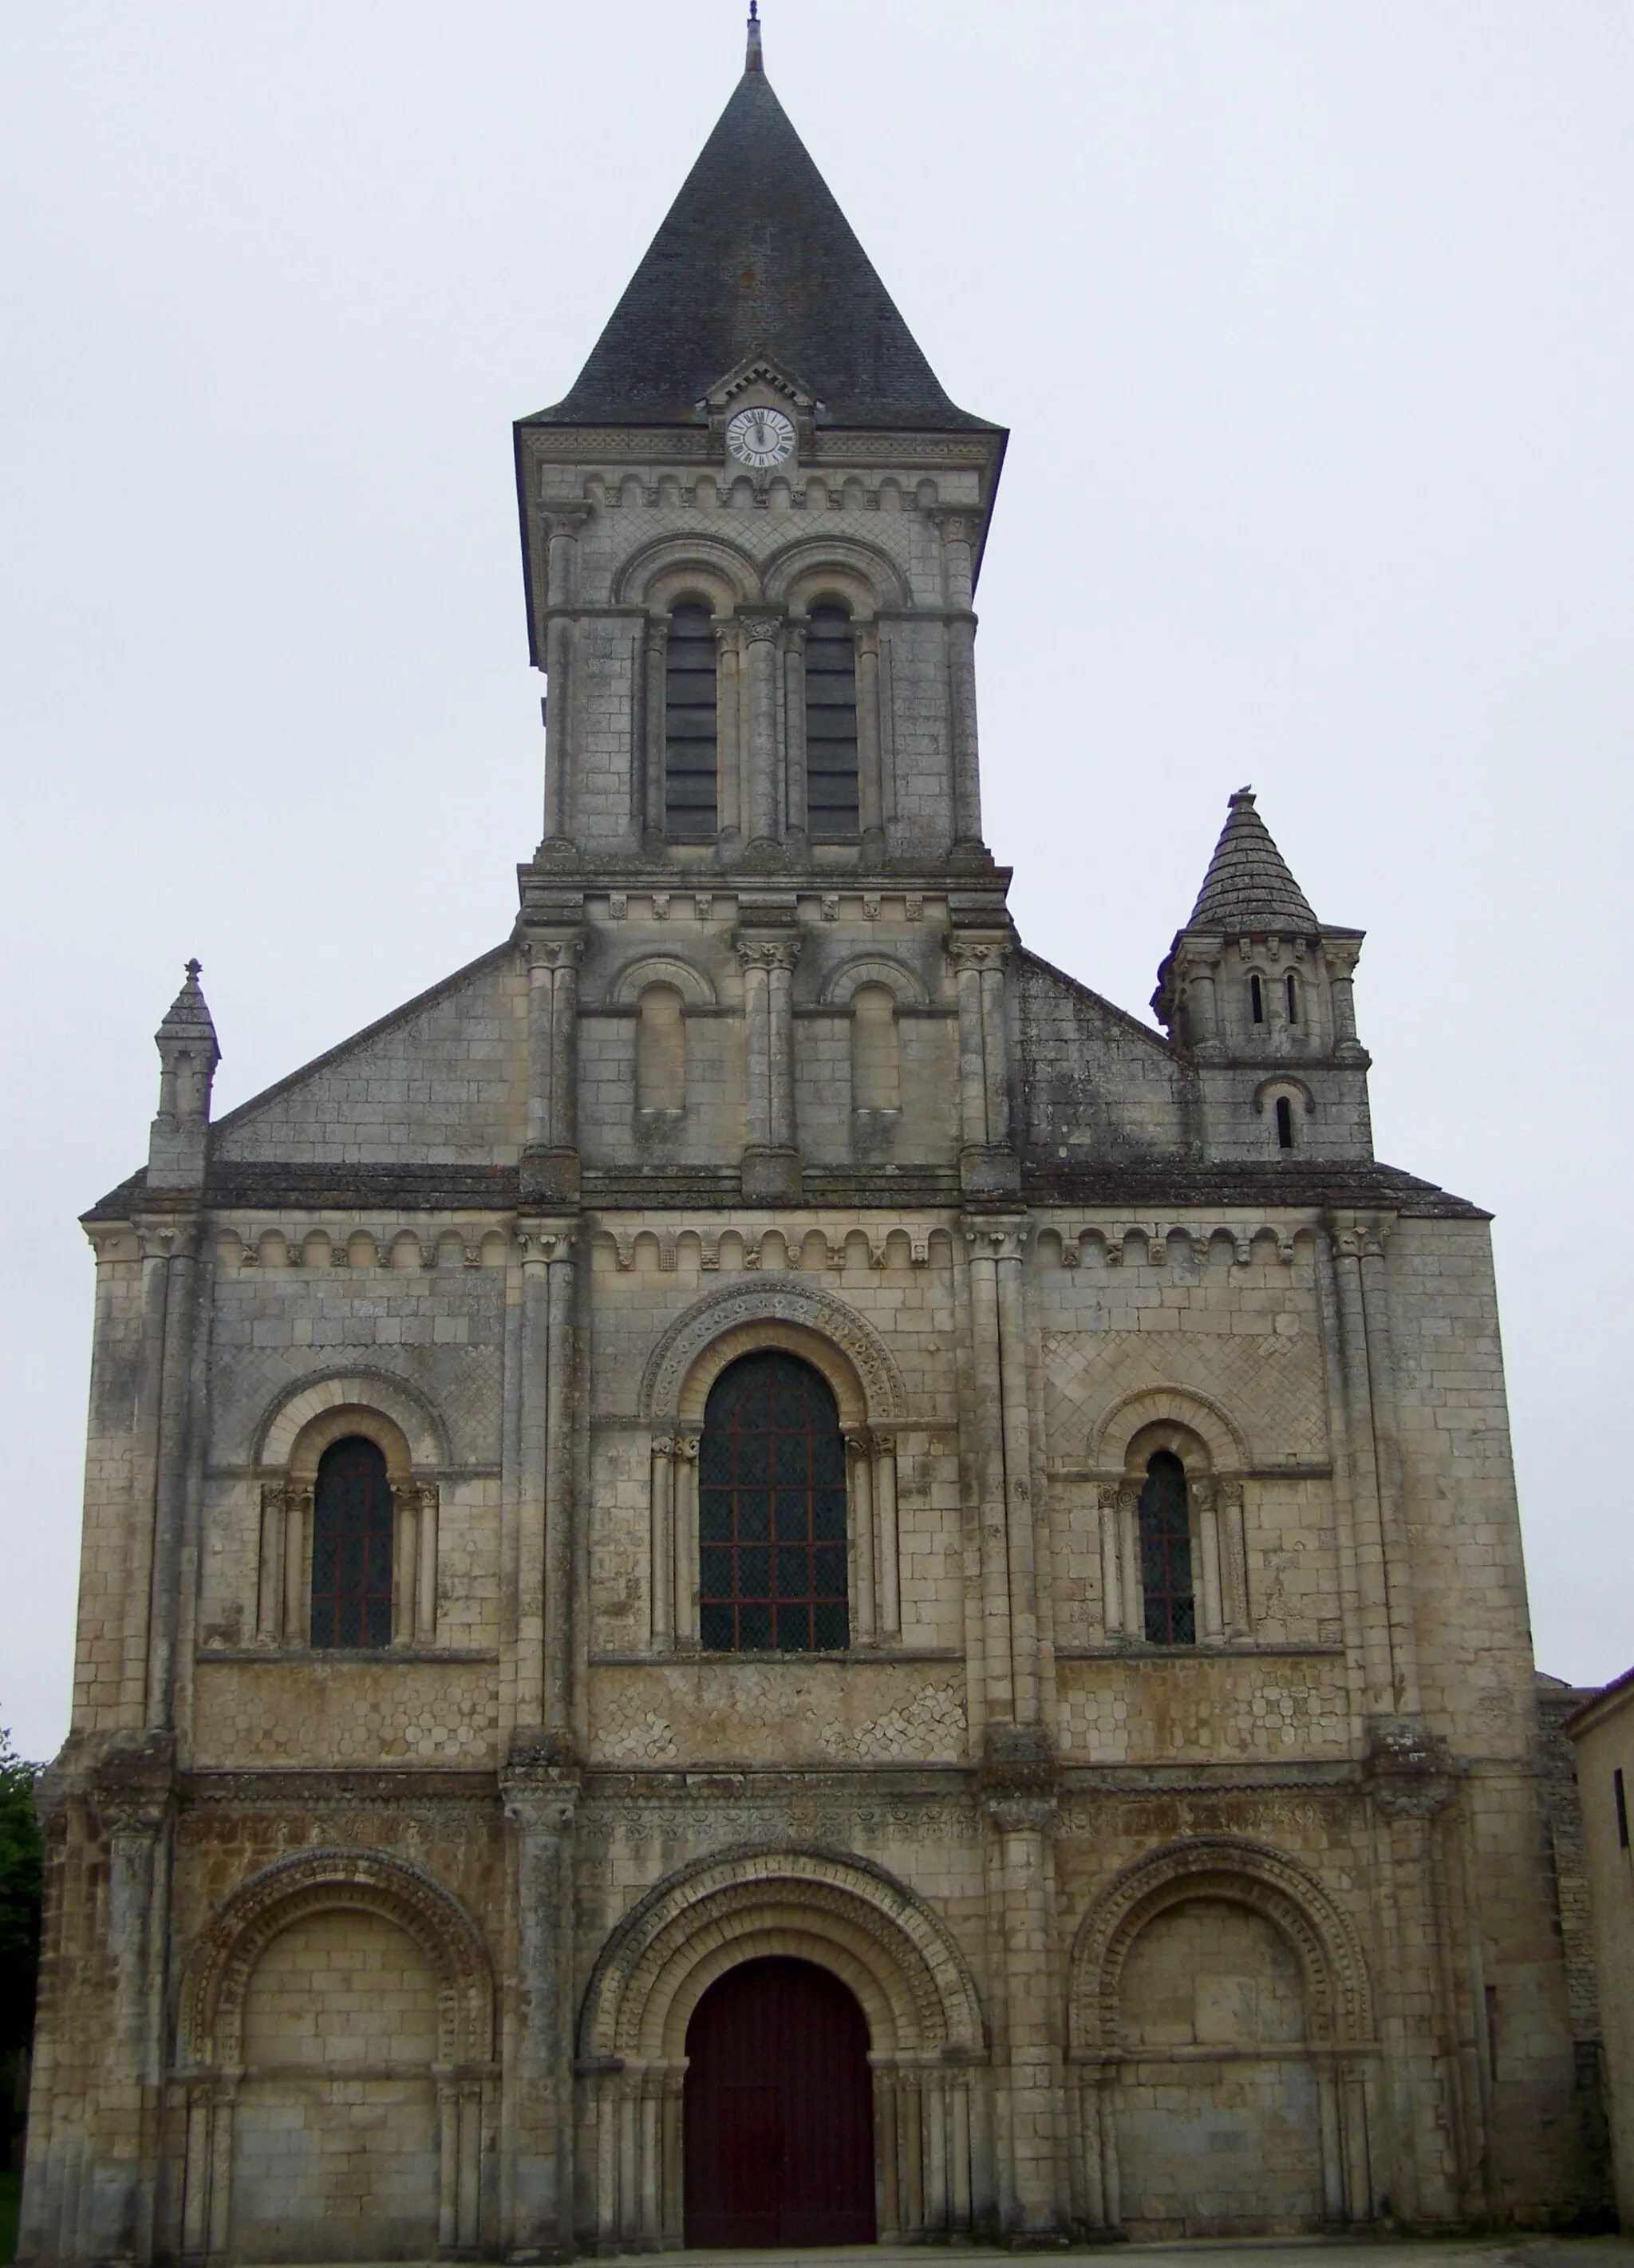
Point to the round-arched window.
(771, 1511)
(351, 1547)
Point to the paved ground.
(1216, 2252)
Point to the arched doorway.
(778, 2110)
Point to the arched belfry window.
(771, 1511)
(353, 1518)
(832, 805)
(1165, 1580)
(691, 795)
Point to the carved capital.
(564, 516)
(548, 949)
(955, 523)
(977, 952)
(767, 952)
(538, 1244)
(1001, 1237)
(759, 625)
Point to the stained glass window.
(1165, 1553)
(351, 1548)
(771, 1511)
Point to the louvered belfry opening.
(351, 1548)
(831, 792)
(771, 1511)
(1166, 1554)
(691, 794)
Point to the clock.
(760, 437)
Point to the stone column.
(560, 523)
(798, 821)
(772, 1165)
(888, 1592)
(989, 1167)
(655, 783)
(729, 734)
(1024, 1821)
(176, 1320)
(1372, 1573)
(984, 1432)
(761, 631)
(1019, 1518)
(132, 1794)
(686, 1500)
(1387, 1439)
(860, 1457)
(661, 1549)
(960, 531)
(870, 768)
(561, 1427)
(543, 1618)
(541, 1793)
(972, 1055)
(553, 948)
(1341, 962)
(1197, 973)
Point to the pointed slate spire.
(1248, 887)
(754, 256)
(188, 1053)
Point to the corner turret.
(188, 1054)
(1259, 993)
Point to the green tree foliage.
(21, 1882)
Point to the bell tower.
(751, 535)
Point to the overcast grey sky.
(1312, 320)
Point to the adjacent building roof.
(1248, 886)
(756, 258)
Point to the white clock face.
(759, 438)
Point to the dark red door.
(778, 2110)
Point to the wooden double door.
(779, 2111)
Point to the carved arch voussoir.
(735, 1308)
(210, 2023)
(659, 572)
(661, 969)
(1180, 1405)
(803, 571)
(1338, 2002)
(852, 1919)
(841, 984)
(296, 1406)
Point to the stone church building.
(760, 1574)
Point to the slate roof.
(755, 257)
(1248, 886)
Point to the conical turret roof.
(1248, 886)
(187, 1021)
(756, 258)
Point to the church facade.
(760, 1574)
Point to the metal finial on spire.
(753, 60)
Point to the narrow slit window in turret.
(831, 793)
(690, 793)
